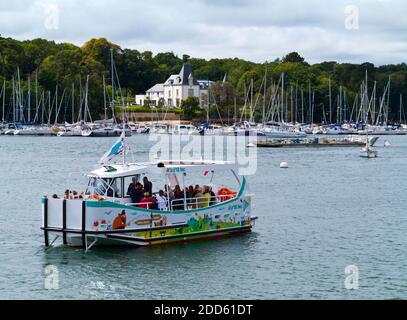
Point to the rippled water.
(330, 209)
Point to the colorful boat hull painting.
(91, 222)
(232, 216)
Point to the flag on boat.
(116, 149)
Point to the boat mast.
(330, 101)
(104, 96)
(264, 98)
(14, 101)
(310, 100)
(302, 106)
(29, 100)
(388, 103)
(73, 103)
(4, 99)
(36, 94)
(401, 107)
(85, 113)
(113, 93)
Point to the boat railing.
(186, 203)
(199, 202)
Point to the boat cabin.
(171, 180)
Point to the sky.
(353, 31)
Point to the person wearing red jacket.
(148, 202)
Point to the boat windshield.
(97, 186)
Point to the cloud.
(257, 30)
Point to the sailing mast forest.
(46, 82)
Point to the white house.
(177, 88)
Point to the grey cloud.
(257, 30)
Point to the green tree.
(190, 107)
(293, 57)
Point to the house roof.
(183, 77)
(157, 88)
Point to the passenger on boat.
(168, 192)
(161, 200)
(132, 186)
(206, 197)
(137, 193)
(199, 198)
(148, 186)
(119, 222)
(148, 202)
(178, 200)
(190, 194)
(213, 200)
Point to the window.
(190, 92)
(96, 186)
(128, 181)
(115, 189)
(177, 93)
(169, 93)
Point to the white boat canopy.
(162, 167)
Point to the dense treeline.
(65, 64)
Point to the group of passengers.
(192, 197)
(72, 195)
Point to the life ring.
(96, 197)
(225, 194)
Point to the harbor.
(207, 159)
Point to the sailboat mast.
(86, 109)
(4, 99)
(29, 100)
(310, 100)
(104, 97)
(302, 106)
(282, 99)
(14, 100)
(73, 103)
(264, 97)
(36, 91)
(330, 101)
(113, 93)
(401, 107)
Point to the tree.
(223, 94)
(190, 106)
(293, 57)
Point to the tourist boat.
(106, 216)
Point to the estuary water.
(331, 209)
